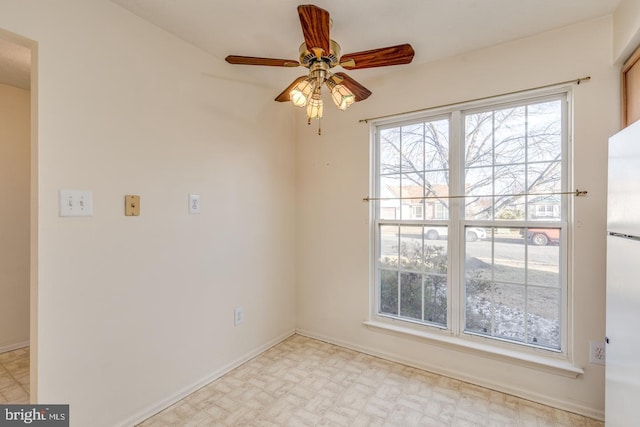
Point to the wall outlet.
(194, 203)
(238, 316)
(597, 352)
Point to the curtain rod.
(574, 81)
(577, 193)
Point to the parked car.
(473, 233)
(542, 236)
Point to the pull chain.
(319, 124)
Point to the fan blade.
(315, 24)
(393, 55)
(356, 88)
(251, 60)
(284, 96)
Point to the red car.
(542, 236)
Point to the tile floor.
(14, 376)
(305, 382)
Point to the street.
(506, 253)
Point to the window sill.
(543, 363)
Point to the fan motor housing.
(308, 58)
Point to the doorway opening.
(18, 220)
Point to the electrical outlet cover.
(194, 203)
(238, 316)
(597, 352)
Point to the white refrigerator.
(622, 388)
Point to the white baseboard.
(11, 347)
(483, 382)
(181, 394)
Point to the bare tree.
(509, 151)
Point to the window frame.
(454, 333)
(416, 208)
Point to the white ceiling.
(435, 28)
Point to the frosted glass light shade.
(314, 107)
(300, 93)
(342, 96)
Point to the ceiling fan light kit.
(320, 54)
(301, 92)
(341, 95)
(314, 107)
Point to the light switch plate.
(194, 203)
(75, 203)
(132, 205)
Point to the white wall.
(134, 311)
(626, 30)
(332, 176)
(14, 217)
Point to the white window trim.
(543, 362)
(548, 360)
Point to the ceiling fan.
(319, 53)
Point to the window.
(440, 211)
(482, 251)
(547, 211)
